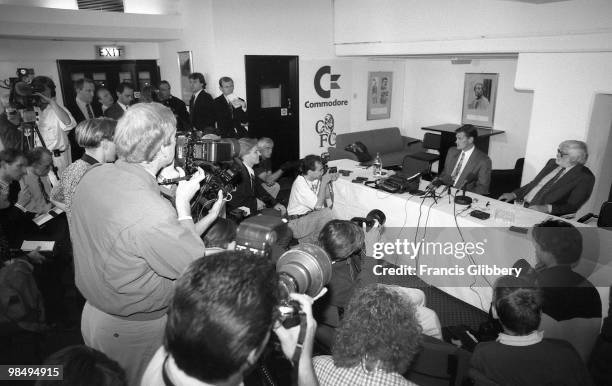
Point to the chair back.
(439, 363)
(582, 333)
(605, 215)
(412, 166)
(431, 141)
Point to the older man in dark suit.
(466, 165)
(562, 186)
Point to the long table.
(412, 219)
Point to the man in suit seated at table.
(466, 165)
(564, 184)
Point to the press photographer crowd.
(171, 232)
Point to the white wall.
(62, 4)
(268, 27)
(600, 145)
(197, 36)
(364, 27)
(434, 95)
(565, 86)
(31, 22)
(361, 68)
(42, 56)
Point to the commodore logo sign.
(325, 92)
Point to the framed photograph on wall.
(185, 62)
(379, 95)
(479, 98)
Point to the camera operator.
(219, 321)
(130, 244)
(10, 135)
(54, 122)
(309, 193)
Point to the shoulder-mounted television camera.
(215, 157)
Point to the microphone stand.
(432, 193)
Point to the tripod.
(29, 129)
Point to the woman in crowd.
(96, 136)
(376, 342)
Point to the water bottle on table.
(377, 166)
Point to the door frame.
(294, 89)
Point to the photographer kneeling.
(309, 193)
(219, 322)
(344, 242)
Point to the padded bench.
(388, 142)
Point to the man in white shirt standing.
(310, 190)
(466, 165)
(54, 123)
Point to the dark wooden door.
(107, 73)
(272, 96)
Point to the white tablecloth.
(415, 219)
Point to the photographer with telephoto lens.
(220, 319)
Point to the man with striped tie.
(562, 186)
(466, 165)
(82, 109)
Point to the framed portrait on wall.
(379, 95)
(479, 98)
(185, 62)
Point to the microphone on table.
(463, 199)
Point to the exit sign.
(110, 52)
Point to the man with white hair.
(562, 186)
(130, 244)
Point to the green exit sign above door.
(110, 52)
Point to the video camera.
(305, 269)
(22, 93)
(214, 156)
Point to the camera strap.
(295, 360)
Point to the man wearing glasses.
(564, 184)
